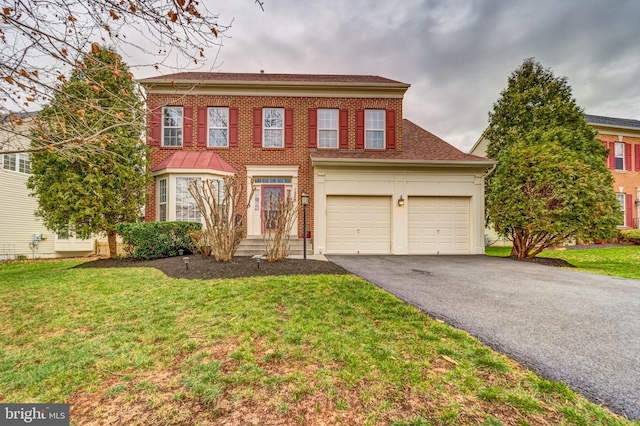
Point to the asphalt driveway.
(578, 328)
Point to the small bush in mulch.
(631, 236)
(548, 261)
(155, 240)
(200, 268)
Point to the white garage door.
(438, 225)
(358, 225)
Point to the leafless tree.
(220, 206)
(42, 42)
(279, 215)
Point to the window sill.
(15, 171)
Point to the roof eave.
(183, 171)
(180, 83)
(404, 162)
(614, 126)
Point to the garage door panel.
(438, 225)
(358, 225)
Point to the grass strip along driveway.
(133, 346)
(614, 261)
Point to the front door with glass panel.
(272, 195)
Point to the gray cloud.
(456, 54)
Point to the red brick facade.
(245, 152)
(626, 173)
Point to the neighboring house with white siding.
(19, 227)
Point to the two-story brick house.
(378, 183)
(622, 137)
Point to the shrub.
(631, 236)
(154, 240)
(200, 240)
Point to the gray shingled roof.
(17, 115)
(260, 77)
(610, 121)
(417, 145)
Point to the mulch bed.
(200, 268)
(548, 261)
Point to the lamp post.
(304, 200)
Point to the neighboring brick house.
(378, 183)
(622, 137)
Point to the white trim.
(383, 130)
(615, 157)
(395, 182)
(623, 206)
(179, 171)
(254, 221)
(209, 128)
(335, 129)
(265, 128)
(180, 127)
(171, 187)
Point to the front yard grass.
(132, 346)
(615, 261)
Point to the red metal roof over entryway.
(202, 160)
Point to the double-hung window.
(172, 122)
(9, 162)
(374, 124)
(186, 207)
(218, 123)
(24, 163)
(621, 199)
(273, 127)
(17, 162)
(619, 155)
(162, 200)
(327, 128)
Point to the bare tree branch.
(42, 43)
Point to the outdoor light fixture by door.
(304, 200)
(401, 201)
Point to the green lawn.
(132, 346)
(618, 261)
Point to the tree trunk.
(113, 245)
(520, 249)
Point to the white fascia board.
(275, 88)
(191, 172)
(372, 162)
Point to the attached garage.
(427, 199)
(358, 225)
(439, 225)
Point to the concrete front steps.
(254, 246)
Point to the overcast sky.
(456, 54)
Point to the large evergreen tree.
(551, 183)
(92, 192)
